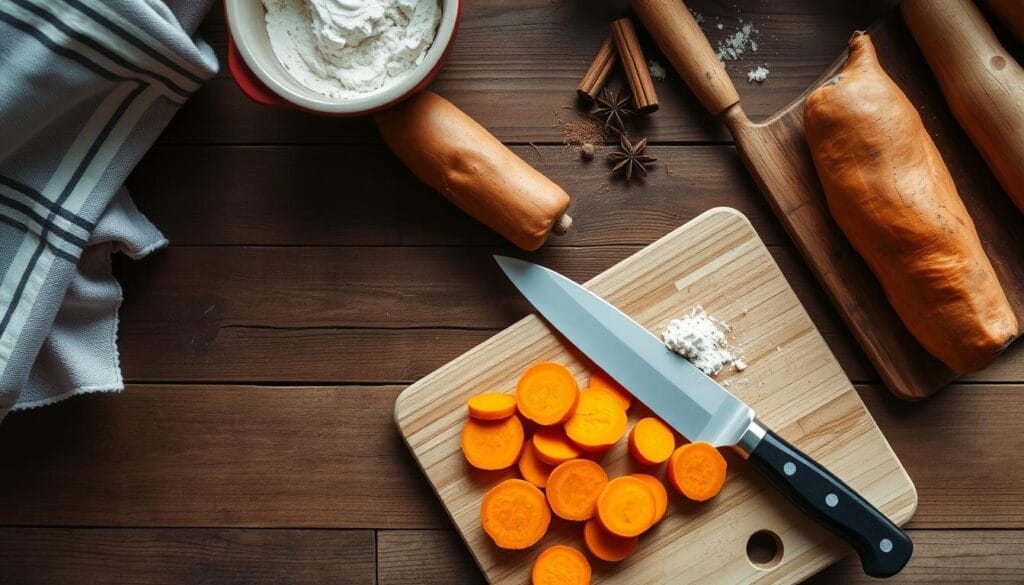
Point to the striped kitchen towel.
(86, 86)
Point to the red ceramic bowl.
(259, 74)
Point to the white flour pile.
(735, 45)
(698, 338)
(346, 48)
(656, 69)
(758, 74)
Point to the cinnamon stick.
(644, 98)
(593, 80)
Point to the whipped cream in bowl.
(345, 57)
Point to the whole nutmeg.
(587, 151)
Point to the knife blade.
(702, 410)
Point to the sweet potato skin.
(893, 197)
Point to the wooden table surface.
(311, 278)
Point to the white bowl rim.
(356, 105)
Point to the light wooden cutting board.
(793, 382)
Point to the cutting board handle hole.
(764, 549)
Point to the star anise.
(611, 109)
(630, 157)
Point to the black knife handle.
(883, 547)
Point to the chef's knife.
(701, 410)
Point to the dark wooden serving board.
(776, 154)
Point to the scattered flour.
(657, 70)
(733, 46)
(345, 48)
(759, 74)
(698, 338)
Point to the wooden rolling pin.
(458, 157)
(982, 83)
(684, 45)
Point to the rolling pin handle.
(562, 225)
(683, 43)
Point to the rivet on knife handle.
(883, 547)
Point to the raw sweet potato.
(515, 514)
(651, 441)
(598, 421)
(659, 491)
(560, 565)
(492, 444)
(491, 406)
(553, 447)
(599, 379)
(891, 194)
(532, 468)
(627, 506)
(605, 545)
(547, 393)
(573, 488)
(454, 154)
(697, 471)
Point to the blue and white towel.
(86, 86)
